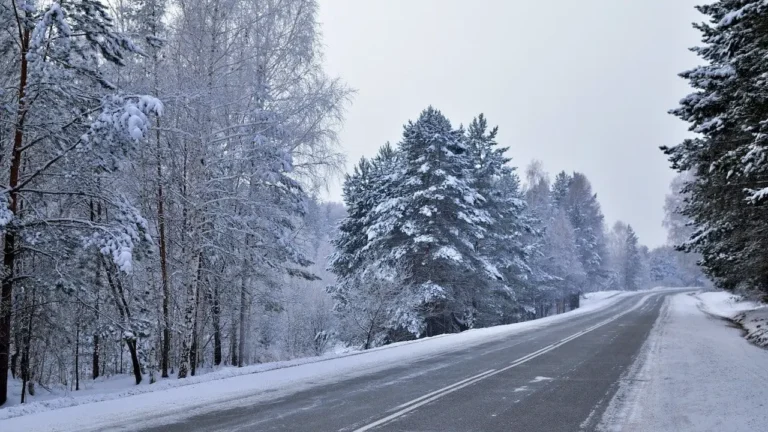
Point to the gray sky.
(580, 85)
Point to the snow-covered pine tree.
(369, 184)
(573, 193)
(560, 189)
(429, 225)
(586, 217)
(633, 266)
(505, 246)
(562, 254)
(556, 267)
(727, 157)
(626, 259)
(351, 236)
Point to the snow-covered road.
(695, 373)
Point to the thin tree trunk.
(125, 315)
(121, 356)
(189, 317)
(77, 355)
(193, 349)
(243, 306)
(96, 348)
(97, 285)
(163, 259)
(25, 370)
(216, 322)
(15, 356)
(233, 342)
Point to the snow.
(754, 324)
(694, 373)
(449, 253)
(757, 194)
(733, 16)
(709, 126)
(751, 316)
(424, 238)
(170, 400)
(598, 296)
(492, 270)
(723, 304)
(6, 216)
(540, 379)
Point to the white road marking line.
(416, 403)
(441, 390)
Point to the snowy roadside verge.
(248, 385)
(749, 315)
(693, 373)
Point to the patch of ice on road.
(694, 373)
(540, 379)
(521, 389)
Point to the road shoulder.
(693, 373)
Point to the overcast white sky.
(580, 85)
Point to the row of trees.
(162, 230)
(724, 172)
(441, 235)
(161, 159)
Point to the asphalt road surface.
(559, 378)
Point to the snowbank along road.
(559, 377)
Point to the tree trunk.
(97, 285)
(243, 305)
(189, 316)
(233, 342)
(163, 260)
(25, 370)
(216, 322)
(131, 342)
(96, 348)
(77, 355)
(125, 315)
(17, 343)
(193, 349)
(9, 249)
(24, 374)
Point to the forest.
(163, 207)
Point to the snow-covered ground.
(600, 295)
(750, 315)
(170, 399)
(694, 373)
(724, 304)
